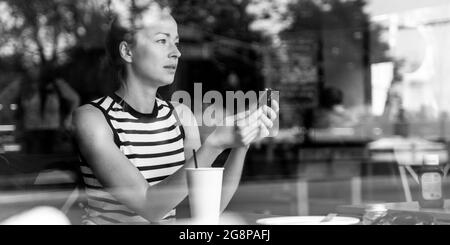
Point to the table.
(227, 218)
(442, 215)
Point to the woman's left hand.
(265, 119)
(244, 128)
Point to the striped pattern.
(154, 144)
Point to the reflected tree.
(40, 37)
(225, 26)
(41, 32)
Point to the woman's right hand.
(242, 129)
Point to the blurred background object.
(38, 216)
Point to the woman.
(134, 154)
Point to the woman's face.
(155, 53)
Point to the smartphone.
(269, 98)
(271, 94)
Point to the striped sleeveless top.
(154, 144)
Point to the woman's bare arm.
(235, 161)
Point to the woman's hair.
(117, 34)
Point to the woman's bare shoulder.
(88, 112)
(89, 118)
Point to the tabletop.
(226, 218)
(441, 214)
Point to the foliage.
(225, 26)
(67, 36)
(46, 34)
(217, 17)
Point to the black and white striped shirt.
(154, 144)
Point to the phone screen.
(269, 97)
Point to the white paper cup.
(205, 190)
